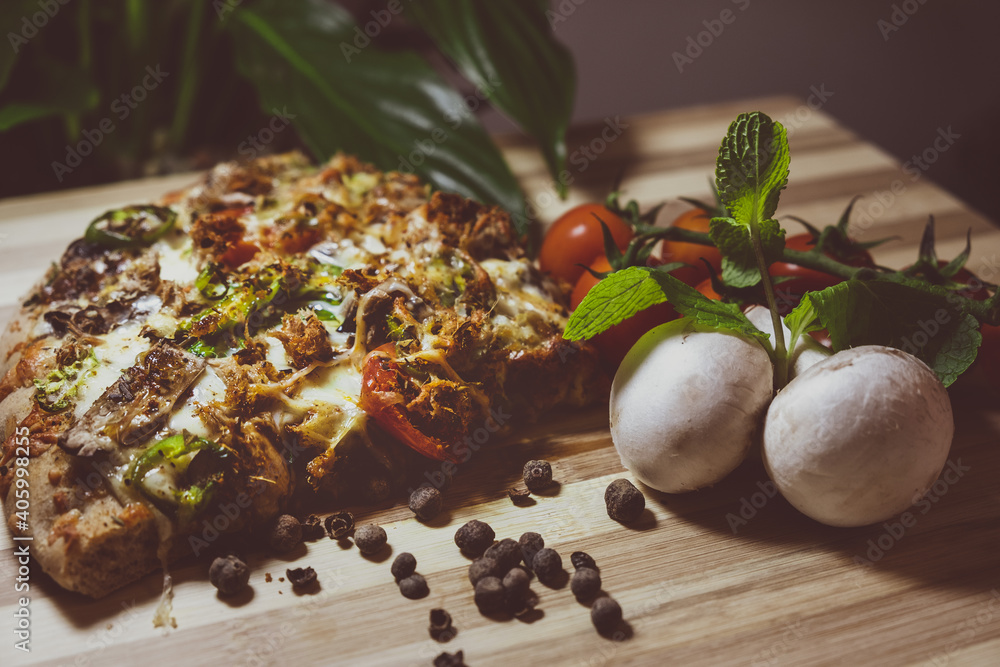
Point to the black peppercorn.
(489, 594)
(518, 496)
(301, 577)
(403, 566)
(229, 575)
(312, 528)
(426, 503)
(606, 615)
(531, 544)
(625, 502)
(339, 525)
(450, 660)
(413, 587)
(286, 533)
(474, 537)
(515, 584)
(506, 552)
(483, 567)
(582, 559)
(547, 564)
(440, 626)
(370, 538)
(585, 583)
(537, 475)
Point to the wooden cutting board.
(732, 575)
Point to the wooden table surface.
(724, 576)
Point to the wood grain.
(728, 576)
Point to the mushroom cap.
(859, 437)
(687, 403)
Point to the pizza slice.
(277, 329)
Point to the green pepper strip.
(186, 502)
(212, 283)
(131, 226)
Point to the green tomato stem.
(987, 312)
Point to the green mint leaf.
(691, 303)
(801, 320)
(750, 173)
(924, 320)
(616, 298)
(739, 264)
(752, 168)
(624, 293)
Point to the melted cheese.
(174, 254)
(208, 388)
(116, 352)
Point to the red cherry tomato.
(383, 383)
(614, 343)
(707, 289)
(576, 238)
(800, 279)
(587, 280)
(695, 220)
(988, 359)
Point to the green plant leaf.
(60, 89)
(624, 293)
(925, 320)
(739, 265)
(388, 108)
(750, 172)
(801, 320)
(508, 51)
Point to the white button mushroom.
(859, 437)
(686, 404)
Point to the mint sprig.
(624, 293)
(750, 173)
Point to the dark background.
(939, 69)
